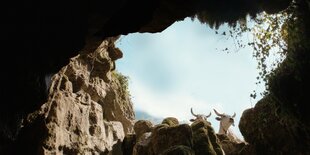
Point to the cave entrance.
(187, 65)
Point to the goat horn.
(193, 113)
(209, 115)
(233, 115)
(217, 113)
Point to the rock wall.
(269, 128)
(88, 110)
(172, 138)
(233, 147)
(279, 123)
(39, 38)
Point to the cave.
(40, 38)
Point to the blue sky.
(183, 67)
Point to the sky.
(185, 66)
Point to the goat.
(225, 122)
(199, 116)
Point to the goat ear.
(192, 120)
(218, 118)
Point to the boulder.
(171, 121)
(141, 127)
(164, 137)
(232, 147)
(128, 144)
(143, 145)
(270, 130)
(204, 138)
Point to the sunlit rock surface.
(205, 140)
(142, 126)
(170, 121)
(87, 111)
(232, 147)
(173, 138)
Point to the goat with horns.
(225, 121)
(199, 116)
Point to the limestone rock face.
(269, 130)
(143, 130)
(171, 138)
(205, 140)
(76, 128)
(163, 137)
(232, 147)
(142, 126)
(128, 144)
(171, 121)
(143, 144)
(87, 112)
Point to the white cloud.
(175, 104)
(180, 68)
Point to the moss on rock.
(171, 121)
(204, 138)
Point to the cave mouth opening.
(189, 65)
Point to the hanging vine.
(268, 41)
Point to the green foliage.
(123, 80)
(275, 34)
(270, 38)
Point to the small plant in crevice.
(123, 80)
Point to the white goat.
(225, 122)
(199, 116)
